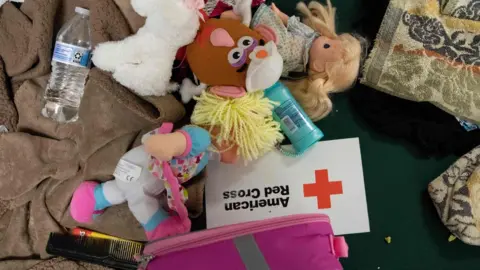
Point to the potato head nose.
(261, 54)
(265, 67)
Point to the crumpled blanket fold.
(41, 161)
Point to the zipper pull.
(143, 261)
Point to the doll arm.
(293, 24)
(165, 146)
(186, 142)
(280, 14)
(198, 140)
(297, 28)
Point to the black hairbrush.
(118, 254)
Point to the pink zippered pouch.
(292, 242)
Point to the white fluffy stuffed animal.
(143, 62)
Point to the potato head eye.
(247, 43)
(237, 57)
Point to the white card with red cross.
(327, 179)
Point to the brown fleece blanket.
(42, 162)
(8, 113)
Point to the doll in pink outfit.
(159, 166)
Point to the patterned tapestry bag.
(291, 242)
(428, 50)
(462, 9)
(456, 196)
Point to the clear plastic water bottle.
(70, 66)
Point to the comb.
(118, 254)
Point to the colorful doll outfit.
(294, 40)
(214, 8)
(141, 178)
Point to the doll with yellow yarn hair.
(312, 47)
(234, 64)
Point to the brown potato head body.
(233, 60)
(229, 54)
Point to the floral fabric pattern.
(463, 9)
(431, 33)
(422, 55)
(456, 196)
(294, 41)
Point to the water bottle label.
(290, 116)
(71, 55)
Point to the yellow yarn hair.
(246, 121)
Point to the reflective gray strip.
(250, 253)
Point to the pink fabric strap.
(165, 128)
(340, 247)
(189, 143)
(178, 204)
(180, 208)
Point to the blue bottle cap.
(308, 141)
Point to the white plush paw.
(105, 56)
(173, 87)
(188, 90)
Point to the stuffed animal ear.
(267, 32)
(195, 4)
(243, 8)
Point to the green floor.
(396, 182)
(398, 204)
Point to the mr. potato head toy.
(233, 64)
(228, 53)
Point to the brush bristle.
(113, 253)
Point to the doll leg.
(154, 219)
(91, 198)
(284, 17)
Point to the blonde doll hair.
(312, 92)
(247, 121)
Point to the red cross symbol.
(322, 189)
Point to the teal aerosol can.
(294, 122)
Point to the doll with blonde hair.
(327, 62)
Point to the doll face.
(325, 50)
